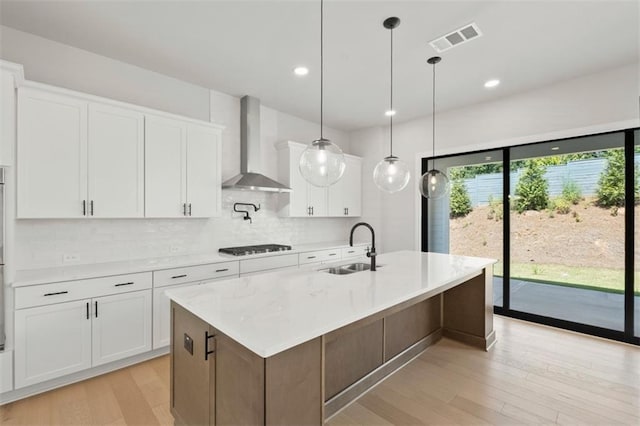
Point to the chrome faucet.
(370, 252)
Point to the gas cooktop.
(260, 248)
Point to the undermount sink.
(348, 269)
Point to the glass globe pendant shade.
(322, 164)
(391, 175)
(434, 184)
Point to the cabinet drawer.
(195, 273)
(66, 291)
(320, 256)
(355, 251)
(266, 263)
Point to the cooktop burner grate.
(260, 248)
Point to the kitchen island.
(293, 347)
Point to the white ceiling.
(251, 47)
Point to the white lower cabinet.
(52, 341)
(162, 315)
(63, 338)
(121, 326)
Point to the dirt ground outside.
(588, 237)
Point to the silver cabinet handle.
(87, 310)
(121, 284)
(179, 276)
(96, 305)
(189, 209)
(91, 208)
(84, 207)
(311, 257)
(222, 270)
(184, 209)
(332, 254)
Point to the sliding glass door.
(567, 230)
(560, 218)
(469, 220)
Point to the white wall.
(604, 101)
(42, 243)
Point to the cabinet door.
(352, 195)
(121, 326)
(165, 171)
(51, 341)
(52, 155)
(344, 197)
(298, 200)
(193, 399)
(162, 315)
(317, 199)
(116, 162)
(203, 171)
(7, 117)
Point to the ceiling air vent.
(456, 38)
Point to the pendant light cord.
(321, 64)
(433, 116)
(391, 102)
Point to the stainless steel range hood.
(250, 178)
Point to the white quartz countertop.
(28, 277)
(272, 312)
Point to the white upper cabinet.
(165, 171)
(10, 75)
(80, 156)
(344, 198)
(304, 200)
(182, 168)
(203, 171)
(115, 162)
(52, 155)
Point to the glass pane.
(469, 220)
(636, 158)
(567, 230)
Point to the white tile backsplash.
(43, 243)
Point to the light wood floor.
(534, 375)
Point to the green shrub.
(560, 205)
(571, 192)
(496, 210)
(611, 184)
(532, 188)
(460, 203)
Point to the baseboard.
(484, 343)
(354, 391)
(28, 391)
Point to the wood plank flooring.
(534, 375)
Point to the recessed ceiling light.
(390, 113)
(555, 148)
(301, 71)
(490, 84)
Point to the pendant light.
(434, 183)
(391, 175)
(322, 163)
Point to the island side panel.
(352, 355)
(240, 384)
(411, 325)
(293, 389)
(468, 311)
(190, 371)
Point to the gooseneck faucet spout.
(370, 252)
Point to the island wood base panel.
(215, 380)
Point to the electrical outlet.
(70, 258)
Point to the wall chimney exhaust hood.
(250, 178)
